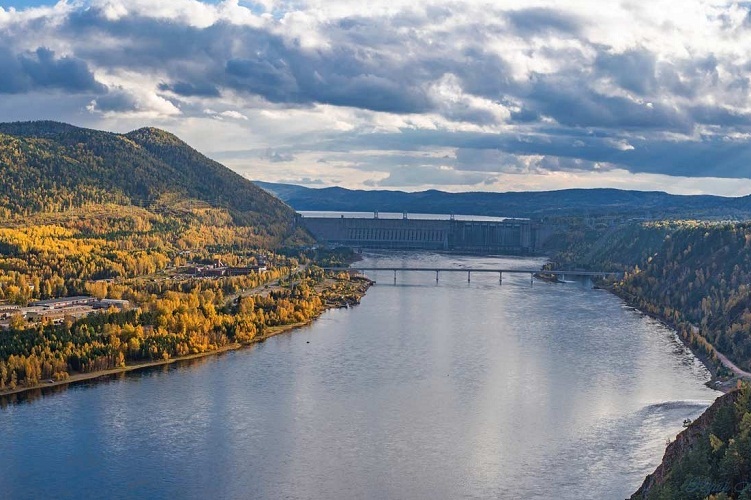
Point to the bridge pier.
(438, 270)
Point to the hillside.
(132, 218)
(563, 203)
(53, 168)
(695, 277)
(710, 459)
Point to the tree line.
(180, 319)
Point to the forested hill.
(695, 276)
(53, 168)
(565, 203)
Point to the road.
(725, 361)
(264, 289)
(738, 372)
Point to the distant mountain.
(50, 167)
(568, 202)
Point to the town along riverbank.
(339, 291)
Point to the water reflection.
(175, 366)
(425, 390)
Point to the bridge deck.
(474, 270)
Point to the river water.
(426, 390)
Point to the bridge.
(558, 273)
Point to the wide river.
(426, 390)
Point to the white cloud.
(548, 93)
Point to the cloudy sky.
(397, 94)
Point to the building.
(56, 310)
(214, 271)
(63, 302)
(123, 305)
(59, 314)
(8, 310)
(241, 271)
(25, 311)
(502, 236)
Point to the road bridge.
(558, 273)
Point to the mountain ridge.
(53, 167)
(565, 202)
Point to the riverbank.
(251, 410)
(547, 277)
(716, 382)
(351, 298)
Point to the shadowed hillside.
(563, 203)
(53, 168)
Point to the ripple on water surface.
(425, 390)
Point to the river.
(426, 390)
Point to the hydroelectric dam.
(483, 235)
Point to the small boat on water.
(686, 422)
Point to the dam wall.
(510, 236)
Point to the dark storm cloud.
(147, 42)
(116, 101)
(713, 115)
(483, 73)
(364, 68)
(688, 79)
(252, 61)
(186, 89)
(525, 115)
(37, 106)
(541, 20)
(588, 104)
(711, 156)
(632, 70)
(41, 70)
(570, 103)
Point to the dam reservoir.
(425, 390)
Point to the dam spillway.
(501, 236)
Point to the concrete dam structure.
(502, 236)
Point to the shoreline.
(715, 383)
(87, 377)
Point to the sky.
(409, 95)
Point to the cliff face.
(687, 442)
